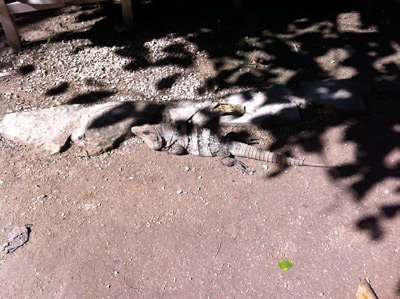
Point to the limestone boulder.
(277, 105)
(341, 95)
(103, 127)
(46, 129)
(96, 128)
(198, 113)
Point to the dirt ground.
(132, 223)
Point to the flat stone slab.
(105, 127)
(277, 105)
(102, 127)
(335, 94)
(199, 113)
(46, 129)
(96, 128)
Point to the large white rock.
(277, 105)
(198, 113)
(47, 129)
(340, 95)
(97, 128)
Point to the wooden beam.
(127, 13)
(19, 7)
(8, 24)
(22, 6)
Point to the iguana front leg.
(176, 149)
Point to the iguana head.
(150, 135)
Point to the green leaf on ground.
(285, 264)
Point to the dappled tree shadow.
(90, 97)
(375, 139)
(372, 224)
(295, 34)
(126, 110)
(59, 89)
(26, 69)
(166, 83)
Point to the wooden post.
(237, 8)
(8, 24)
(127, 13)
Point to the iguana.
(179, 140)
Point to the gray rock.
(278, 93)
(97, 128)
(47, 129)
(107, 125)
(336, 94)
(277, 105)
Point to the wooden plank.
(18, 7)
(33, 5)
(8, 24)
(81, 2)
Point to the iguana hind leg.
(229, 161)
(240, 166)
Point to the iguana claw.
(240, 166)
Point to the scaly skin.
(202, 142)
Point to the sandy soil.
(134, 223)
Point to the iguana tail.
(247, 151)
